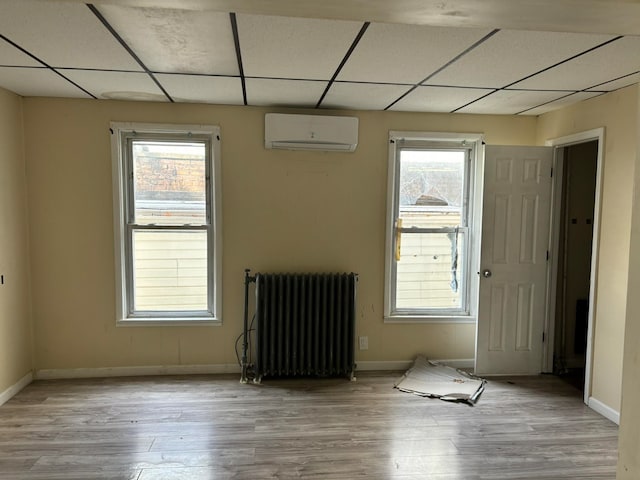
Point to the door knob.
(486, 273)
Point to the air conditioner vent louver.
(310, 132)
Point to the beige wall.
(617, 112)
(281, 211)
(629, 438)
(15, 322)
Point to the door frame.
(559, 143)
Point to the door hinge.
(551, 172)
(543, 337)
(548, 255)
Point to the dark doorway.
(579, 164)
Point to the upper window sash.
(405, 146)
(128, 140)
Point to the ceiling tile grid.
(272, 92)
(38, 82)
(621, 82)
(115, 84)
(362, 96)
(611, 61)
(176, 41)
(438, 99)
(511, 102)
(10, 56)
(202, 89)
(294, 48)
(562, 102)
(509, 56)
(199, 55)
(63, 35)
(405, 53)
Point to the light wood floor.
(212, 427)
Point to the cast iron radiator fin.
(305, 324)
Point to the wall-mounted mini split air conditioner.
(310, 132)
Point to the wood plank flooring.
(212, 427)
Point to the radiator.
(305, 324)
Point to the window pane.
(431, 190)
(427, 274)
(170, 270)
(169, 182)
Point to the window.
(167, 223)
(430, 231)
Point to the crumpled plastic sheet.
(433, 379)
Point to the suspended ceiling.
(201, 53)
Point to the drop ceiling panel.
(63, 35)
(619, 83)
(294, 48)
(509, 102)
(11, 56)
(289, 61)
(362, 96)
(509, 56)
(118, 85)
(604, 64)
(405, 53)
(177, 41)
(562, 102)
(437, 99)
(203, 89)
(290, 93)
(38, 82)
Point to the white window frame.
(473, 142)
(120, 131)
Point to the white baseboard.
(458, 362)
(372, 366)
(101, 372)
(59, 373)
(604, 410)
(15, 388)
(365, 366)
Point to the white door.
(513, 259)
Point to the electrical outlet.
(364, 343)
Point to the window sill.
(170, 322)
(430, 319)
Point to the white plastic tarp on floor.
(433, 379)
